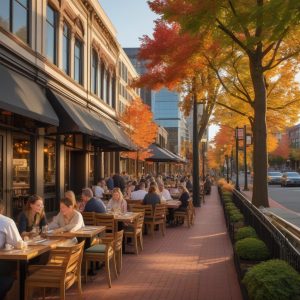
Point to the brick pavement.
(188, 264)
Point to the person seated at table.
(71, 195)
(152, 197)
(32, 216)
(92, 204)
(117, 202)
(9, 234)
(68, 219)
(99, 189)
(110, 182)
(183, 198)
(189, 184)
(165, 194)
(140, 193)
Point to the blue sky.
(131, 18)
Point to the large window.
(51, 34)
(66, 48)
(104, 85)
(78, 61)
(94, 75)
(14, 17)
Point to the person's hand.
(58, 230)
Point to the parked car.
(274, 177)
(290, 178)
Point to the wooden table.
(23, 257)
(173, 203)
(86, 232)
(127, 217)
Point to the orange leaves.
(141, 128)
(283, 149)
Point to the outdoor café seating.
(62, 271)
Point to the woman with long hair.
(33, 216)
(183, 198)
(152, 197)
(117, 201)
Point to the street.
(286, 196)
(289, 197)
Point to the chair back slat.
(88, 218)
(118, 240)
(159, 211)
(148, 211)
(132, 203)
(106, 220)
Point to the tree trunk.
(260, 155)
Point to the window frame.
(68, 38)
(55, 58)
(76, 41)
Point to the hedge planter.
(245, 232)
(252, 249)
(272, 280)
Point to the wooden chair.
(118, 250)
(62, 271)
(158, 218)
(138, 208)
(192, 211)
(103, 252)
(135, 232)
(131, 203)
(88, 218)
(186, 215)
(108, 221)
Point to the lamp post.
(203, 146)
(227, 168)
(196, 183)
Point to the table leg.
(22, 273)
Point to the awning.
(24, 97)
(161, 155)
(179, 159)
(75, 118)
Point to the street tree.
(266, 33)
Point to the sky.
(133, 19)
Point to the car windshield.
(274, 174)
(293, 174)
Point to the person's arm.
(12, 234)
(22, 226)
(124, 206)
(55, 222)
(109, 204)
(75, 224)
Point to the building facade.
(59, 87)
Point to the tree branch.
(284, 105)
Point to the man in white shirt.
(165, 194)
(9, 233)
(140, 193)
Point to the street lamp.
(203, 146)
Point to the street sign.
(248, 139)
(239, 133)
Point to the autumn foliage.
(283, 150)
(141, 129)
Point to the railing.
(277, 243)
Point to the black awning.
(75, 118)
(179, 159)
(24, 97)
(160, 155)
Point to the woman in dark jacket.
(152, 197)
(32, 216)
(183, 198)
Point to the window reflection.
(78, 61)
(49, 175)
(94, 74)
(51, 35)
(4, 14)
(19, 26)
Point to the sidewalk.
(189, 264)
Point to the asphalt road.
(286, 196)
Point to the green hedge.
(252, 249)
(235, 216)
(272, 280)
(245, 232)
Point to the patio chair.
(62, 271)
(158, 218)
(88, 218)
(135, 232)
